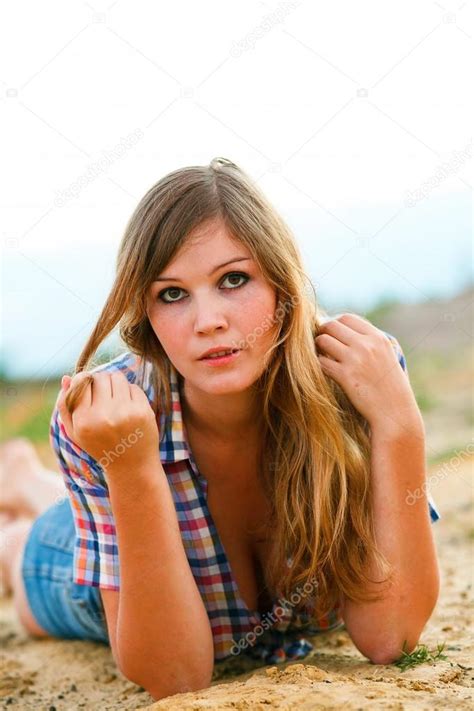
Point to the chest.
(242, 522)
(241, 513)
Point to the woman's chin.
(223, 384)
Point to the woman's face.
(213, 294)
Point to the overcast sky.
(354, 117)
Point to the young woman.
(243, 473)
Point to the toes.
(19, 447)
(6, 517)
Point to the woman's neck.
(228, 419)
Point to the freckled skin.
(214, 310)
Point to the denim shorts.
(62, 607)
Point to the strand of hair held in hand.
(75, 393)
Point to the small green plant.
(419, 655)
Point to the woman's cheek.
(165, 325)
(256, 311)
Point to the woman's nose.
(209, 316)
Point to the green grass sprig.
(419, 655)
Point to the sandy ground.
(53, 674)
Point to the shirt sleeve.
(433, 509)
(96, 560)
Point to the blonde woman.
(239, 476)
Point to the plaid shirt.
(274, 636)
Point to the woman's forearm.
(403, 534)
(163, 632)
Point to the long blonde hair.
(315, 458)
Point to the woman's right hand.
(112, 420)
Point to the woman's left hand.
(362, 360)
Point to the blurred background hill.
(437, 339)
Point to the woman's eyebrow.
(219, 266)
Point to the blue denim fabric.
(62, 607)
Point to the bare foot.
(20, 468)
(6, 517)
(12, 533)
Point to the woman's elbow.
(169, 683)
(390, 651)
(386, 655)
(390, 646)
(162, 691)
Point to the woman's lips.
(221, 360)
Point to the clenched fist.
(110, 419)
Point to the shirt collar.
(173, 442)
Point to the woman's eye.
(239, 276)
(231, 276)
(166, 291)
